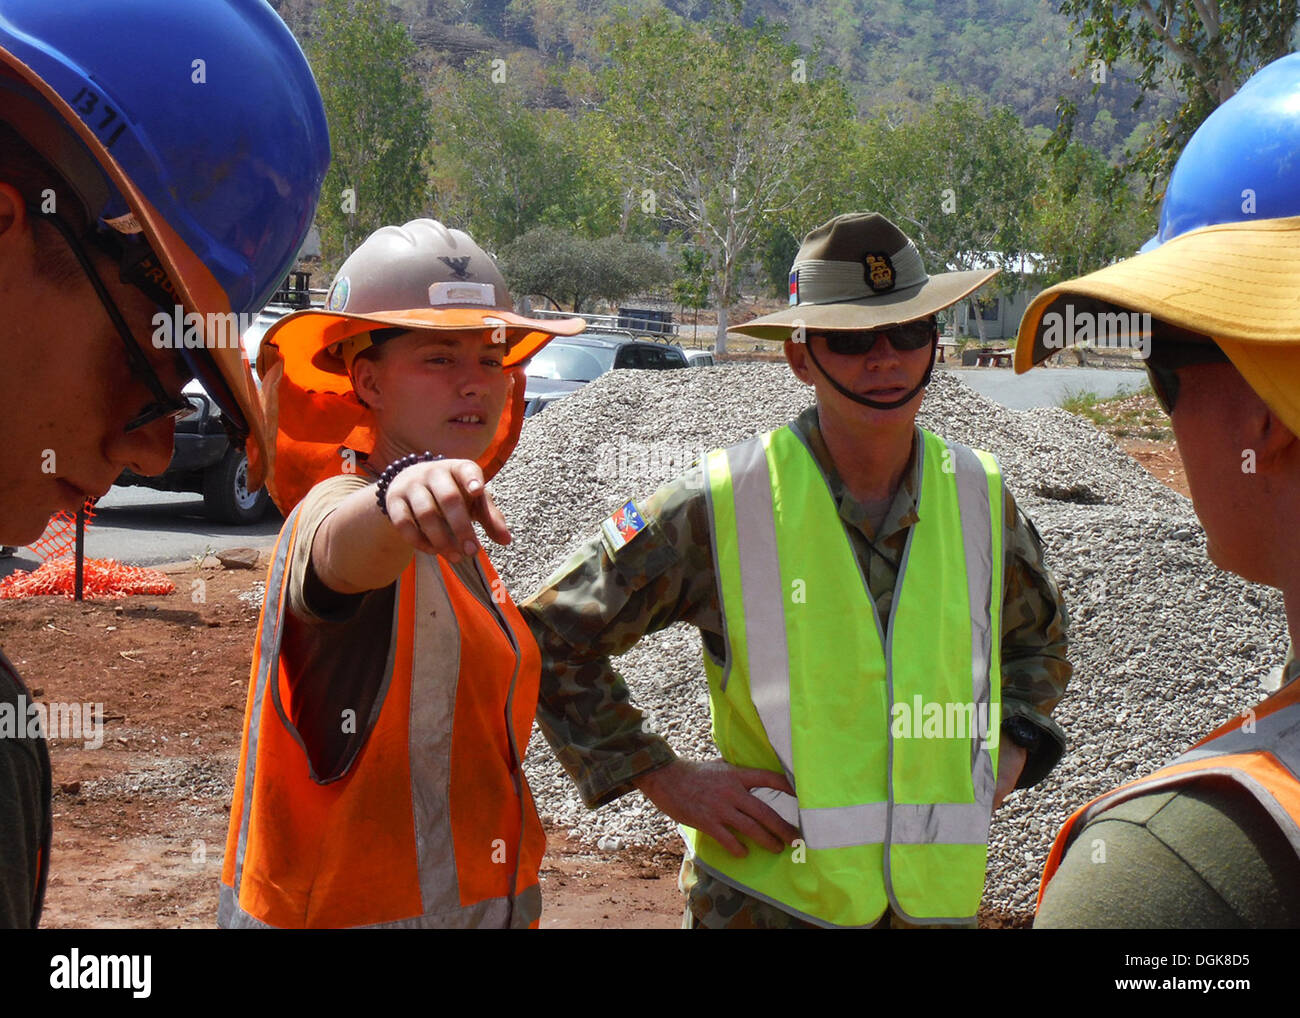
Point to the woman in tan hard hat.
(394, 683)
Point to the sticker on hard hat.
(127, 224)
(622, 526)
(338, 296)
(463, 293)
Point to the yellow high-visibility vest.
(886, 728)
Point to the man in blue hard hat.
(1212, 840)
(133, 183)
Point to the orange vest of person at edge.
(1260, 751)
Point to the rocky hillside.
(1016, 52)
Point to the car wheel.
(225, 491)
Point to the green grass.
(1130, 413)
(1084, 403)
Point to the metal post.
(81, 550)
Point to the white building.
(1001, 311)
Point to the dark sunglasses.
(1173, 348)
(905, 337)
(163, 405)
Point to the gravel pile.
(1164, 645)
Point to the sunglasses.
(163, 405)
(906, 337)
(1173, 348)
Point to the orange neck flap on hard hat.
(310, 429)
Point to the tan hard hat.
(422, 275)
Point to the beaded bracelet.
(395, 468)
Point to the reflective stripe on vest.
(1259, 752)
(874, 837)
(432, 825)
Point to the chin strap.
(876, 404)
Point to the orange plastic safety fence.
(60, 537)
(101, 578)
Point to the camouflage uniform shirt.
(599, 603)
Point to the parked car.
(204, 460)
(699, 358)
(568, 363)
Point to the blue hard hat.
(204, 131)
(1226, 261)
(1243, 162)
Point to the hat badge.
(878, 271)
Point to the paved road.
(1047, 386)
(143, 527)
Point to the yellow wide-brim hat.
(1238, 283)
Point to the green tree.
(512, 164)
(1087, 214)
(378, 119)
(956, 178)
(566, 268)
(691, 287)
(777, 250)
(720, 127)
(1205, 48)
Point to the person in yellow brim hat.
(1213, 838)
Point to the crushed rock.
(254, 595)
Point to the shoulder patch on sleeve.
(622, 526)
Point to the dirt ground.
(1160, 460)
(140, 823)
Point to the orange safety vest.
(433, 825)
(1260, 751)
